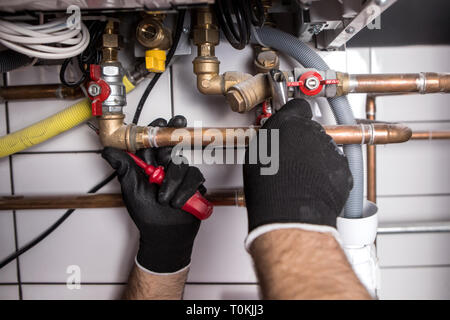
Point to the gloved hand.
(167, 233)
(312, 183)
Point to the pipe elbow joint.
(210, 84)
(114, 133)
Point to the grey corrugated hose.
(340, 106)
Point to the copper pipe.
(371, 154)
(220, 197)
(428, 82)
(430, 135)
(376, 133)
(46, 91)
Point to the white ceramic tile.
(426, 249)
(221, 292)
(8, 292)
(358, 60)
(34, 75)
(7, 247)
(413, 209)
(219, 254)
(61, 292)
(2, 119)
(415, 283)
(336, 60)
(413, 107)
(412, 59)
(102, 242)
(60, 173)
(415, 167)
(429, 126)
(211, 110)
(222, 176)
(158, 103)
(219, 174)
(5, 181)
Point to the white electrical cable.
(52, 40)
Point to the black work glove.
(313, 180)
(167, 232)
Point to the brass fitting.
(111, 42)
(245, 95)
(206, 31)
(243, 90)
(114, 133)
(152, 34)
(266, 59)
(206, 64)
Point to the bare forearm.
(297, 264)
(146, 286)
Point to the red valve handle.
(301, 83)
(105, 90)
(196, 205)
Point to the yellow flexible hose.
(49, 127)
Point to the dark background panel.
(409, 22)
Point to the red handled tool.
(196, 205)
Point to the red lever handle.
(196, 205)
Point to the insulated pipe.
(376, 133)
(428, 82)
(219, 197)
(342, 111)
(48, 128)
(45, 91)
(45, 129)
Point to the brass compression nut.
(205, 27)
(111, 42)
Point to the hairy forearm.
(146, 286)
(297, 264)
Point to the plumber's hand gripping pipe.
(196, 205)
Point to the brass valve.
(152, 34)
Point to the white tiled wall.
(413, 184)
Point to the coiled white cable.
(53, 40)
